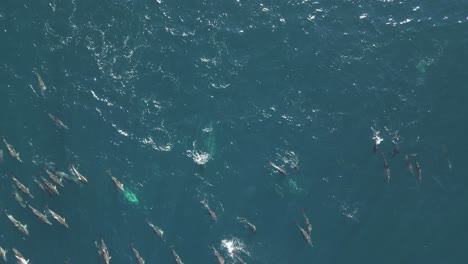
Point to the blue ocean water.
(149, 89)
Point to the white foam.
(234, 246)
(377, 137)
(198, 156)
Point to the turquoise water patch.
(131, 197)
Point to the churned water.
(190, 101)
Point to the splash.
(200, 157)
(350, 211)
(290, 158)
(150, 141)
(209, 141)
(234, 246)
(376, 137)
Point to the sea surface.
(190, 101)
